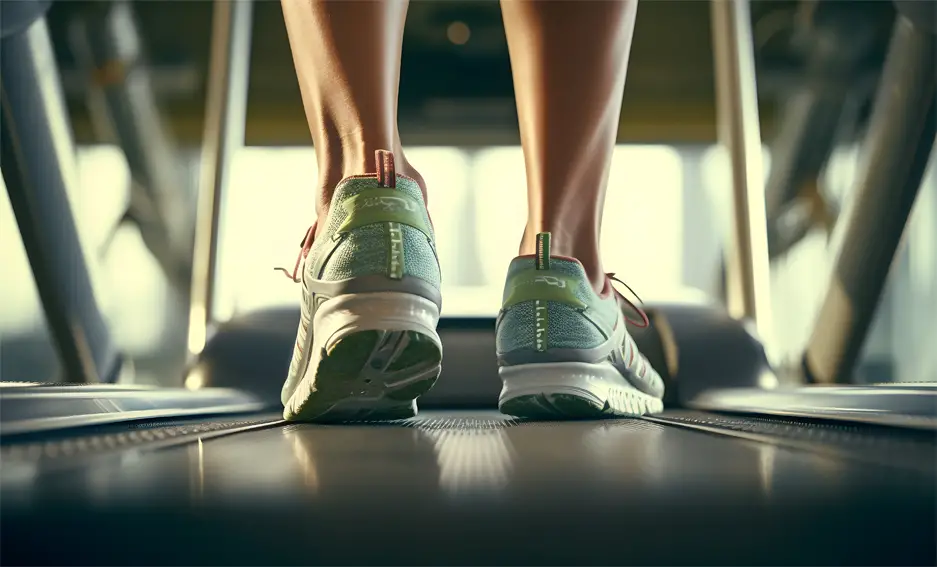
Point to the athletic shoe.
(371, 295)
(563, 350)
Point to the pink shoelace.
(644, 322)
(304, 248)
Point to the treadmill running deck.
(464, 488)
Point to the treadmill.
(739, 469)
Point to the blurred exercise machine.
(105, 40)
(738, 469)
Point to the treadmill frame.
(38, 168)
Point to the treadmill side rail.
(33, 409)
(908, 405)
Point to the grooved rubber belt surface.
(879, 445)
(468, 488)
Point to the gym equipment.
(738, 470)
(38, 164)
(899, 143)
(105, 39)
(472, 488)
(839, 42)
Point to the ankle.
(355, 157)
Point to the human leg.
(367, 345)
(563, 349)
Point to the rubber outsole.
(371, 375)
(568, 406)
(571, 390)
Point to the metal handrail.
(225, 118)
(747, 265)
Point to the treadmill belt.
(880, 445)
(466, 488)
(150, 435)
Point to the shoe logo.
(529, 286)
(389, 204)
(550, 280)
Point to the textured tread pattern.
(134, 435)
(550, 406)
(470, 423)
(857, 435)
(368, 375)
(879, 444)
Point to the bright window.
(478, 204)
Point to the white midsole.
(597, 379)
(343, 315)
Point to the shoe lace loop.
(644, 322)
(304, 248)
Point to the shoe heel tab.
(542, 257)
(386, 172)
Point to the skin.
(347, 58)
